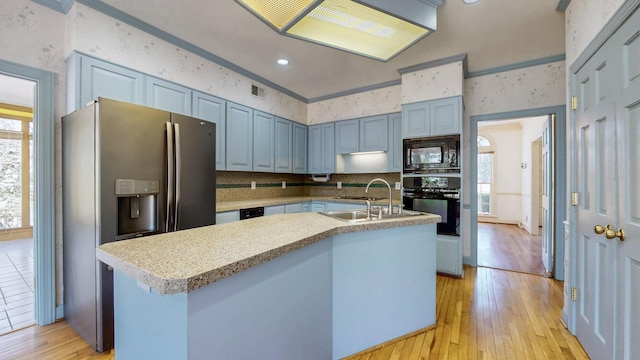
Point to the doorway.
(42, 215)
(526, 202)
(16, 199)
(509, 190)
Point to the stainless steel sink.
(356, 216)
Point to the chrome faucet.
(389, 187)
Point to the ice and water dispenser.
(137, 207)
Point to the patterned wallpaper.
(583, 21)
(106, 38)
(528, 88)
(374, 102)
(433, 83)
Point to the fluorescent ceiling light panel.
(349, 25)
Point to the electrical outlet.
(339, 184)
(284, 184)
(398, 185)
(253, 185)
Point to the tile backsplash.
(235, 186)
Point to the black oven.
(435, 195)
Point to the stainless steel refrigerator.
(128, 171)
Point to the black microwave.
(437, 154)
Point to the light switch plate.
(253, 185)
(284, 184)
(339, 184)
(398, 185)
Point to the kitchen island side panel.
(384, 286)
(280, 309)
(148, 325)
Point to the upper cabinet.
(362, 135)
(394, 157)
(283, 145)
(431, 118)
(213, 109)
(446, 116)
(263, 157)
(322, 156)
(299, 150)
(89, 78)
(239, 137)
(347, 137)
(374, 132)
(165, 95)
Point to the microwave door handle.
(170, 178)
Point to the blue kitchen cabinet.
(165, 95)
(274, 210)
(283, 145)
(328, 161)
(296, 207)
(448, 255)
(299, 149)
(373, 133)
(212, 109)
(415, 120)
(394, 155)
(263, 146)
(432, 118)
(322, 157)
(347, 136)
(239, 137)
(317, 206)
(89, 78)
(362, 135)
(445, 116)
(227, 216)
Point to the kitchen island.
(291, 286)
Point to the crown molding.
(516, 66)
(61, 6)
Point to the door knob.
(611, 234)
(599, 229)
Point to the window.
(485, 176)
(16, 162)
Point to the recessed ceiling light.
(283, 62)
(469, 1)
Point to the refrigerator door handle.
(170, 178)
(178, 176)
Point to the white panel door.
(547, 214)
(597, 188)
(628, 139)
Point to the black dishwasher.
(251, 212)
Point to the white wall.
(507, 182)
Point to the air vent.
(258, 91)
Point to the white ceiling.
(492, 33)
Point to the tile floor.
(16, 285)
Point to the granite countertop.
(186, 260)
(242, 204)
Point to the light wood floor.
(509, 247)
(490, 314)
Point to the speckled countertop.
(235, 205)
(186, 260)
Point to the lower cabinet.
(227, 216)
(274, 210)
(295, 208)
(448, 250)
